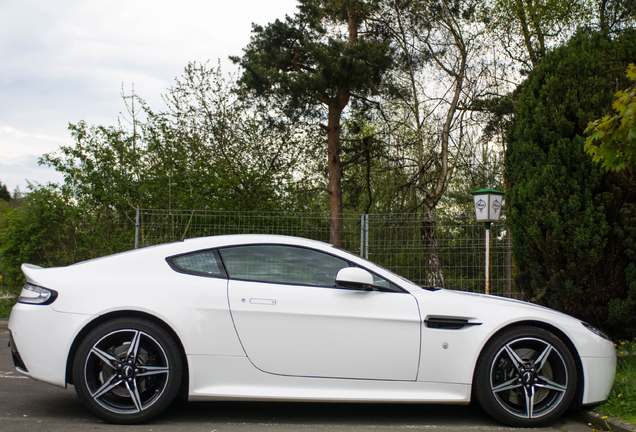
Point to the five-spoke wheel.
(525, 377)
(127, 370)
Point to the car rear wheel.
(127, 370)
(525, 377)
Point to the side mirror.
(354, 278)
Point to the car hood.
(490, 310)
(486, 299)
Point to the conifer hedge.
(573, 224)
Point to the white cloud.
(65, 61)
(8, 132)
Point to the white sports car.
(260, 317)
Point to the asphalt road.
(28, 405)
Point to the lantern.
(487, 204)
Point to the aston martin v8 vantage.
(275, 318)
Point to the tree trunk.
(434, 269)
(335, 176)
(525, 30)
(333, 142)
(601, 20)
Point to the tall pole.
(366, 236)
(362, 236)
(487, 257)
(137, 229)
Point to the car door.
(292, 320)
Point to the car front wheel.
(525, 377)
(127, 370)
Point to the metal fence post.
(366, 240)
(137, 229)
(361, 236)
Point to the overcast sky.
(62, 61)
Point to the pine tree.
(4, 192)
(313, 64)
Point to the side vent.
(448, 323)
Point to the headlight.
(33, 294)
(596, 331)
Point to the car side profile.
(276, 318)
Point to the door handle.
(270, 302)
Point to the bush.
(573, 225)
(51, 229)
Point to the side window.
(281, 264)
(202, 263)
(381, 282)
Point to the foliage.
(253, 159)
(308, 60)
(528, 30)
(319, 58)
(5, 307)
(615, 15)
(612, 140)
(50, 230)
(622, 399)
(211, 155)
(207, 152)
(4, 193)
(573, 226)
(621, 310)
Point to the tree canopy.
(311, 65)
(4, 192)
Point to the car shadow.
(327, 413)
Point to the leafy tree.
(437, 44)
(572, 224)
(528, 29)
(253, 154)
(48, 229)
(4, 193)
(615, 15)
(612, 140)
(318, 60)
(205, 153)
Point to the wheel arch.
(580, 382)
(183, 391)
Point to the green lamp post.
(487, 204)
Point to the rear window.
(202, 263)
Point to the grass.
(5, 307)
(622, 399)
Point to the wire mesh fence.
(402, 243)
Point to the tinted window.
(281, 264)
(201, 263)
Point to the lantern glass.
(494, 209)
(487, 204)
(481, 207)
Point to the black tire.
(127, 370)
(525, 377)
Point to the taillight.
(33, 294)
